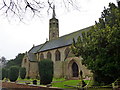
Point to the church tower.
(53, 26)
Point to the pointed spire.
(118, 2)
(33, 45)
(46, 39)
(53, 16)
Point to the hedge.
(13, 73)
(45, 71)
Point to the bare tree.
(3, 61)
(18, 8)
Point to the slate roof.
(62, 41)
(32, 57)
(34, 49)
(57, 43)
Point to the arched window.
(25, 60)
(49, 55)
(67, 50)
(41, 56)
(57, 55)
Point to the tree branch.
(19, 7)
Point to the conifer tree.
(100, 46)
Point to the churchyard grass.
(58, 79)
(68, 82)
(30, 80)
(57, 82)
(72, 83)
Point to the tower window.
(57, 25)
(53, 35)
(54, 24)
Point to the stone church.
(57, 49)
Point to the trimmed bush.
(13, 73)
(45, 71)
(0, 73)
(28, 77)
(4, 73)
(22, 72)
(35, 82)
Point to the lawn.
(73, 83)
(68, 82)
(58, 79)
(30, 80)
(57, 82)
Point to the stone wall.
(58, 69)
(62, 51)
(62, 68)
(26, 64)
(31, 67)
(68, 67)
(58, 65)
(33, 72)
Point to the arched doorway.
(75, 71)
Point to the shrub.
(6, 73)
(13, 73)
(22, 72)
(0, 73)
(3, 73)
(35, 82)
(83, 83)
(28, 77)
(45, 71)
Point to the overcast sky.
(19, 37)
